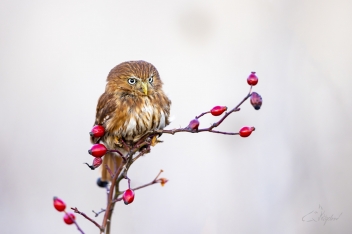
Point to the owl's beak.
(145, 88)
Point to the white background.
(54, 59)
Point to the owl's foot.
(117, 141)
(155, 141)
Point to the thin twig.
(197, 117)
(98, 213)
(109, 170)
(116, 151)
(157, 176)
(85, 216)
(155, 181)
(143, 152)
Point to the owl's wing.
(105, 109)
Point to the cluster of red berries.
(69, 218)
(256, 101)
(98, 151)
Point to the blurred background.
(55, 56)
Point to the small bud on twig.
(96, 163)
(163, 181)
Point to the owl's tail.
(113, 161)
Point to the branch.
(214, 125)
(110, 206)
(155, 181)
(143, 152)
(85, 216)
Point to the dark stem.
(197, 117)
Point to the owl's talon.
(117, 141)
(154, 141)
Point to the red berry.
(252, 79)
(246, 131)
(194, 124)
(218, 110)
(98, 150)
(256, 100)
(97, 131)
(128, 196)
(69, 218)
(59, 204)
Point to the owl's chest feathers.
(136, 117)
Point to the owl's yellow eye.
(132, 81)
(150, 80)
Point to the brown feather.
(126, 111)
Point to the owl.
(133, 105)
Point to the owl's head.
(137, 78)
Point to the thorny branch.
(143, 147)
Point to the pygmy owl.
(132, 106)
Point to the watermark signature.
(319, 215)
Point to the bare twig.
(116, 151)
(197, 117)
(98, 213)
(143, 152)
(155, 181)
(109, 170)
(85, 216)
